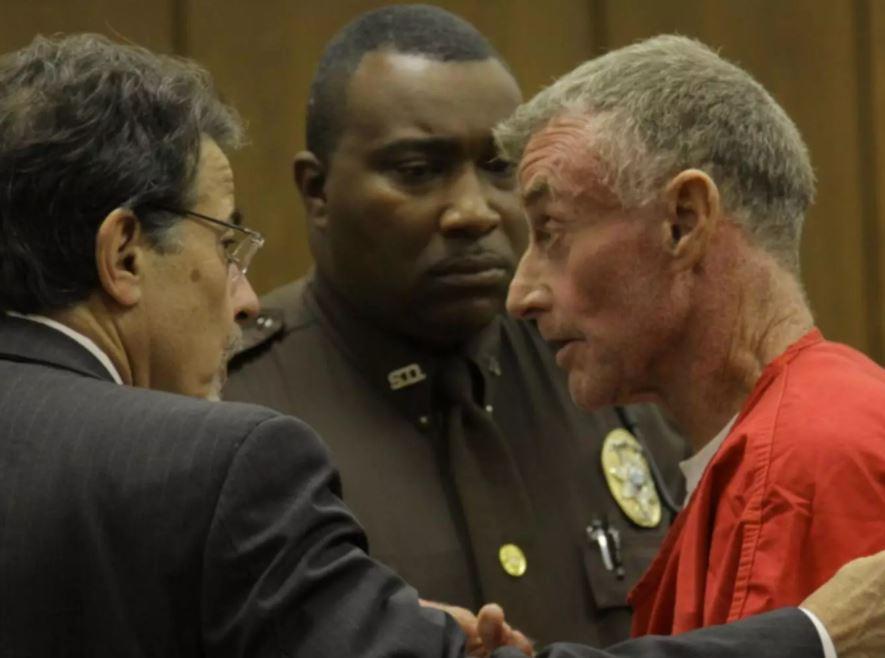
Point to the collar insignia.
(405, 376)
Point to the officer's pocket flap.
(608, 589)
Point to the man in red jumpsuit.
(666, 190)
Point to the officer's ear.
(310, 179)
(692, 211)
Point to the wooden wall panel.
(823, 60)
(260, 54)
(151, 24)
(875, 42)
(804, 52)
(263, 55)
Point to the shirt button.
(424, 422)
(512, 560)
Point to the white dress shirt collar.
(85, 341)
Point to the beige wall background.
(824, 60)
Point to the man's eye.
(417, 171)
(499, 166)
(545, 234)
(542, 237)
(229, 244)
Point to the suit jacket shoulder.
(142, 523)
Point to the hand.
(852, 608)
(485, 632)
(466, 620)
(495, 632)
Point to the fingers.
(522, 643)
(491, 626)
(485, 631)
(466, 620)
(496, 632)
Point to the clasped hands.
(486, 630)
(849, 605)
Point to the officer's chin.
(460, 318)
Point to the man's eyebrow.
(536, 192)
(432, 145)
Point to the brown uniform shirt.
(370, 396)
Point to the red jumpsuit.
(796, 490)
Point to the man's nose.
(245, 301)
(469, 211)
(528, 297)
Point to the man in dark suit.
(138, 522)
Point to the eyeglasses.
(238, 250)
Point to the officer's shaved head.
(421, 30)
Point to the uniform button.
(489, 408)
(512, 560)
(424, 422)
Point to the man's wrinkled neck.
(743, 320)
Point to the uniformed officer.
(473, 473)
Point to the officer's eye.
(415, 172)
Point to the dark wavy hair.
(422, 30)
(88, 126)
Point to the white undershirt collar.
(693, 468)
(85, 341)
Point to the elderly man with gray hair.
(665, 191)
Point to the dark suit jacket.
(137, 523)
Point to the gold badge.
(512, 560)
(629, 478)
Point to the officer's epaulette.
(261, 329)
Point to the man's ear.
(310, 179)
(692, 213)
(120, 256)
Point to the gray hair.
(88, 126)
(670, 103)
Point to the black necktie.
(496, 506)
